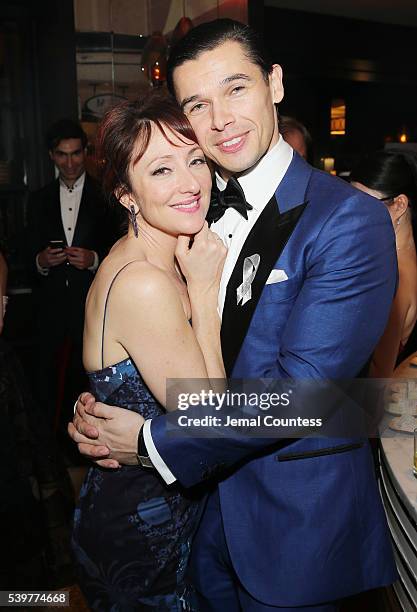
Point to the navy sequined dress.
(132, 533)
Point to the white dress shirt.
(70, 199)
(259, 184)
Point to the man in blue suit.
(295, 524)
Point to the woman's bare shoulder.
(122, 269)
(141, 282)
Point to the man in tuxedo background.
(298, 524)
(68, 232)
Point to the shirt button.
(70, 190)
(70, 209)
(69, 229)
(230, 235)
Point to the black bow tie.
(231, 197)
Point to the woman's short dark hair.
(129, 125)
(207, 36)
(391, 173)
(63, 130)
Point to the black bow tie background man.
(228, 89)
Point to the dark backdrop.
(371, 66)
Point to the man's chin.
(236, 164)
(72, 177)
(235, 169)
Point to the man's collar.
(79, 183)
(260, 182)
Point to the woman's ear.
(399, 207)
(126, 199)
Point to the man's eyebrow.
(188, 100)
(61, 152)
(234, 77)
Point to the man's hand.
(106, 434)
(80, 258)
(49, 258)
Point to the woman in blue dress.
(132, 533)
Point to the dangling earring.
(398, 221)
(133, 220)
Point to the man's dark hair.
(63, 130)
(207, 36)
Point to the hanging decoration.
(154, 59)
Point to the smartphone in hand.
(57, 244)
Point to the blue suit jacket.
(303, 519)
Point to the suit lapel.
(83, 218)
(55, 216)
(267, 239)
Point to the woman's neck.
(155, 245)
(404, 233)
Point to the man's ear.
(275, 82)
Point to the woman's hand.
(202, 263)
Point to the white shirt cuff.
(94, 267)
(43, 271)
(157, 461)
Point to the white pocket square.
(276, 276)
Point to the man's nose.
(70, 162)
(221, 115)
